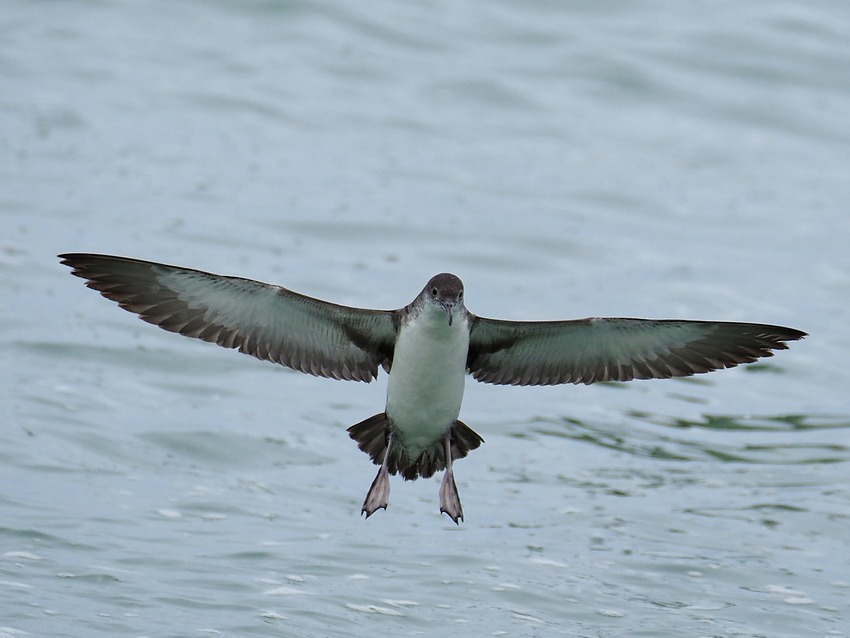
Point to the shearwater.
(426, 347)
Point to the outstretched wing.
(600, 349)
(268, 322)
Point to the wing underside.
(607, 349)
(268, 322)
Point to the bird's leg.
(379, 494)
(449, 499)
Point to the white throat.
(426, 383)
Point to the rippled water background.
(565, 159)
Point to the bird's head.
(445, 291)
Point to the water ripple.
(749, 439)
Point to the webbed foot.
(379, 494)
(449, 498)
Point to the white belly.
(426, 381)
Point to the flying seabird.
(426, 347)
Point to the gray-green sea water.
(687, 160)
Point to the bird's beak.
(448, 306)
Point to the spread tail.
(371, 435)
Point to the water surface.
(565, 160)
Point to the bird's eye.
(433, 292)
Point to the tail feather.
(464, 440)
(371, 436)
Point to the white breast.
(427, 379)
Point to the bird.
(427, 348)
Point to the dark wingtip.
(76, 262)
(783, 333)
(66, 258)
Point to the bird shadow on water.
(775, 439)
